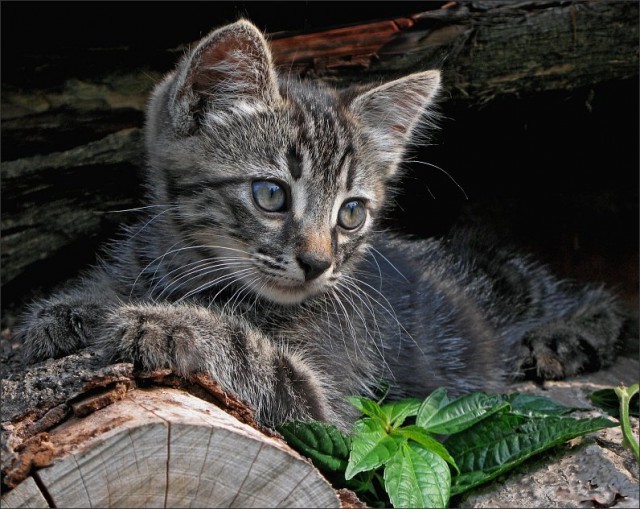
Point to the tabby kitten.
(260, 263)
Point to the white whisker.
(231, 277)
(443, 171)
(388, 308)
(198, 273)
(386, 260)
(134, 209)
(154, 218)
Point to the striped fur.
(259, 262)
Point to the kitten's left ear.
(390, 113)
(231, 65)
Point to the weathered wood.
(103, 441)
(37, 398)
(29, 495)
(70, 139)
(486, 48)
(52, 199)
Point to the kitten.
(260, 263)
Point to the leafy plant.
(500, 443)
(420, 453)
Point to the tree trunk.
(70, 125)
(106, 438)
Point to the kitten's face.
(277, 183)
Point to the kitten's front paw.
(151, 337)
(54, 330)
(558, 352)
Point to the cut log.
(163, 447)
(111, 443)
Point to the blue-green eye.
(269, 196)
(352, 214)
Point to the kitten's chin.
(288, 295)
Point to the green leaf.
(371, 446)
(324, 444)
(419, 435)
(460, 413)
(502, 441)
(398, 411)
(531, 405)
(368, 407)
(417, 477)
(434, 402)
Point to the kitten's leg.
(553, 329)
(188, 339)
(584, 339)
(66, 322)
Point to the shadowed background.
(546, 156)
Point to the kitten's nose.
(313, 265)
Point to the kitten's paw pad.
(54, 331)
(557, 353)
(149, 338)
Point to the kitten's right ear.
(392, 112)
(231, 65)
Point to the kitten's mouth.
(293, 293)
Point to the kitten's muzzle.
(313, 265)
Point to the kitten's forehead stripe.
(322, 134)
(294, 162)
(351, 168)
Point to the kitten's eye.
(269, 196)
(352, 214)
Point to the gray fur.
(288, 309)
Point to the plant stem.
(625, 395)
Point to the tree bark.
(70, 130)
(486, 48)
(108, 438)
